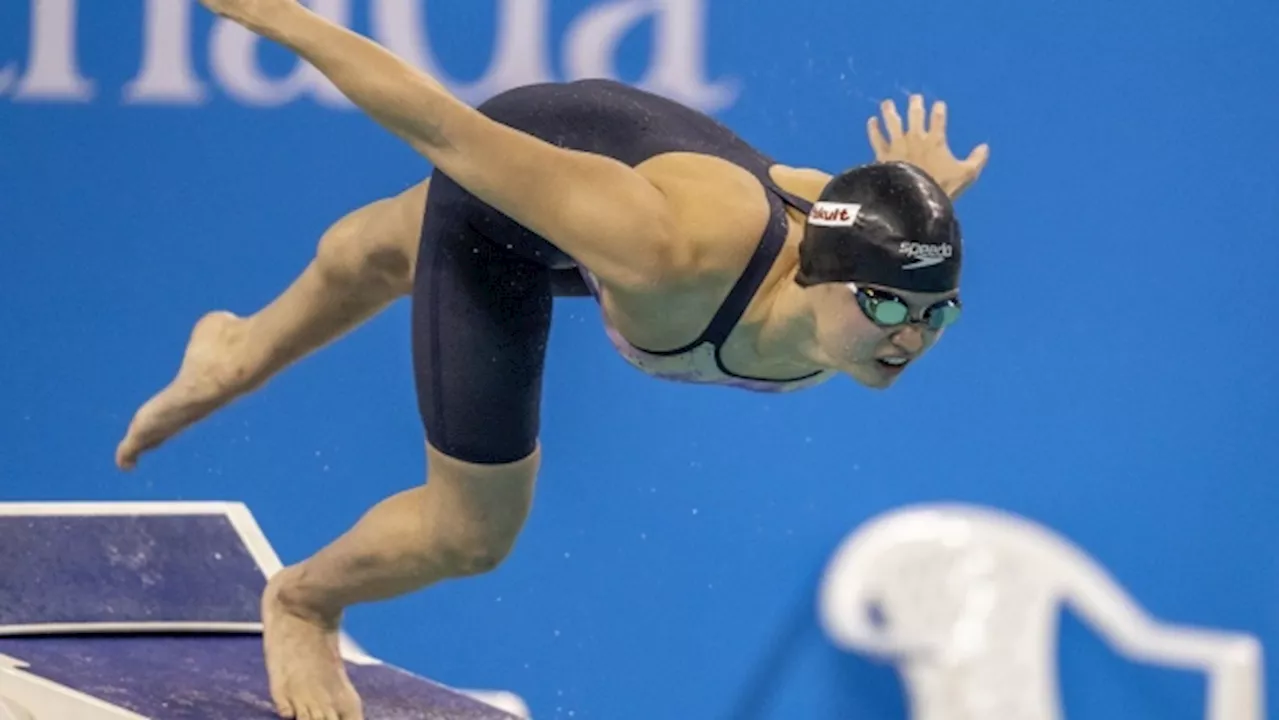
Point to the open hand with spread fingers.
(925, 147)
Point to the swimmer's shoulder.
(720, 209)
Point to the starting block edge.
(116, 507)
(132, 628)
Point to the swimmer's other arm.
(600, 211)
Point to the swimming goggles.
(888, 310)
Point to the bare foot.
(212, 374)
(305, 669)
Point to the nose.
(909, 339)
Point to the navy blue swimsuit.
(484, 284)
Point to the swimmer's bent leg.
(463, 521)
(481, 318)
(363, 262)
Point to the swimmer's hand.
(926, 148)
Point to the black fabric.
(481, 316)
(484, 285)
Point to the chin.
(881, 384)
(874, 378)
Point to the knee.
(478, 511)
(446, 544)
(365, 246)
(479, 555)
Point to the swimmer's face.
(876, 353)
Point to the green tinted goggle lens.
(942, 315)
(888, 312)
(885, 309)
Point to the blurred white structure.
(964, 601)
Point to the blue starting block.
(149, 611)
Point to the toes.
(284, 708)
(280, 696)
(314, 710)
(284, 703)
(125, 457)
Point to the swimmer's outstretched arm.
(598, 210)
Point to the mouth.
(893, 364)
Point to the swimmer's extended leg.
(363, 262)
(464, 521)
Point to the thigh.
(481, 317)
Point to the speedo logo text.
(925, 255)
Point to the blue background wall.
(1108, 379)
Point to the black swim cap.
(886, 224)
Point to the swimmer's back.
(616, 120)
(606, 118)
